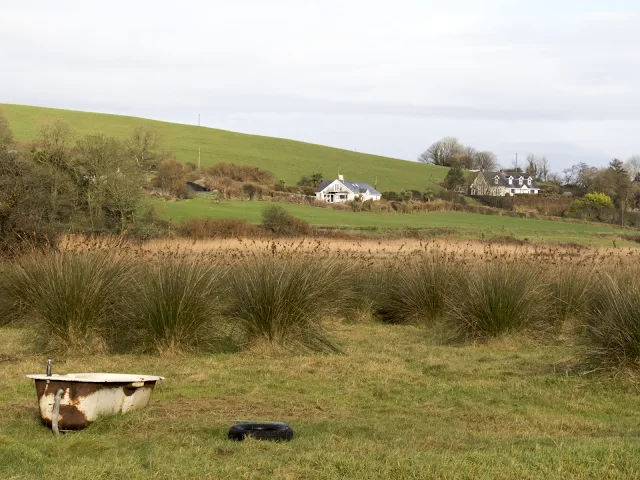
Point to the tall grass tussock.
(612, 332)
(285, 301)
(497, 298)
(175, 307)
(69, 298)
(417, 292)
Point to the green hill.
(287, 159)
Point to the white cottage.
(500, 184)
(341, 190)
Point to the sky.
(556, 78)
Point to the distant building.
(341, 190)
(500, 184)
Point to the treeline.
(62, 182)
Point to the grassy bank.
(287, 159)
(460, 224)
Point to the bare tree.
(543, 169)
(144, 147)
(486, 161)
(532, 165)
(443, 152)
(465, 158)
(632, 165)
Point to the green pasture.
(466, 225)
(394, 405)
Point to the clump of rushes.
(367, 293)
(175, 308)
(284, 301)
(417, 292)
(70, 298)
(570, 287)
(495, 299)
(10, 306)
(611, 335)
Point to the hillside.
(287, 159)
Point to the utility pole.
(516, 161)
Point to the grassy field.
(400, 400)
(287, 159)
(466, 225)
(394, 405)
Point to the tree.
(464, 158)
(310, 181)
(486, 161)
(109, 181)
(632, 165)
(532, 165)
(144, 147)
(581, 175)
(621, 184)
(55, 143)
(454, 178)
(443, 152)
(543, 169)
(171, 177)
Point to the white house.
(500, 184)
(340, 190)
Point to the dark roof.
(355, 187)
(503, 179)
(198, 188)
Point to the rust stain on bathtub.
(84, 401)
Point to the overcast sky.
(558, 78)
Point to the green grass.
(287, 159)
(395, 405)
(468, 226)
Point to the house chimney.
(340, 177)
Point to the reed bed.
(170, 297)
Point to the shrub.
(612, 331)
(284, 301)
(171, 178)
(72, 297)
(276, 219)
(240, 173)
(418, 291)
(391, 196)
(175, 309)
(495, 299)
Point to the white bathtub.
(86, 396)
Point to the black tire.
(274, 431)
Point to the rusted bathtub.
(82, 397)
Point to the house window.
(520, 180)
(336, 187)
(510, 180)
(513, 190)
(496, 179)
(529, 181)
